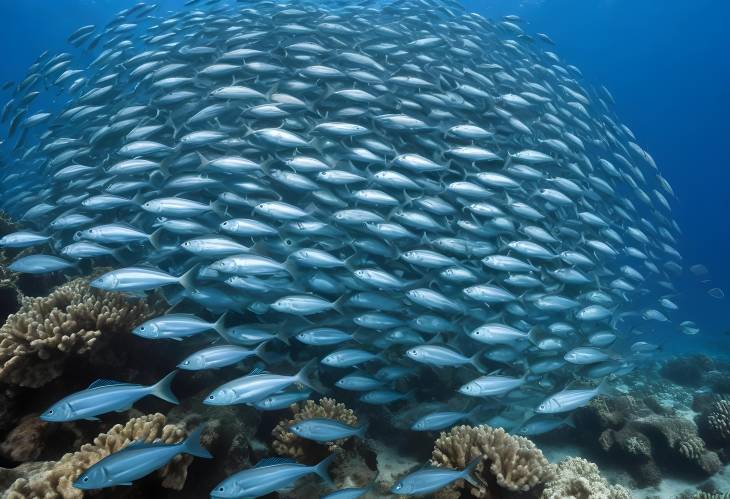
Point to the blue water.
(666, 63)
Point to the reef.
(714, 426)
(577, 478)
(509, 463)
(55, 479)
(37, 341)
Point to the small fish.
(326, 430)
(137, 460)
(269, 475)
(104, 396)
(219, 356)
(39, 264)
(430, 480)
(568, 400)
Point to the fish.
(568, 400)
(104, 396)
(136, 460)
(258, 385)
(267, 476)
(430, 480)
(326, 430)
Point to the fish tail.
(363, 428)
(304, 376)
(321, 468)
(191, 445)
(163, 389)
(187, 280)
(603, 388)
(220, 326)
(474, 361)
(466, 473)
(155, 238)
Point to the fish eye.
(288, 242)
(86, 479)
(187, 362)
(211, 397)
(50, 411)
(224, 224)
(220, 489)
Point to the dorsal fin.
(106, 382)
(256, 370)
(270, 461)
(141, 444)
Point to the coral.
(715, 423)
(509, 462)
(288, 444)
(576, 478)
(56, 480)
(35, 342)
(25, 441)
(687, 371)
(635, 451)
(719, 419)
(676, 439)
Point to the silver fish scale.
(397, 140)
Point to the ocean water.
(664, 62)
(654, 58)
(666, 66)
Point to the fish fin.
(304, 376)
(141, 444)
(106, 382)
(321, 468)
(474, 361)
(603, 388)
(191, 445)
(219, 209)
(155, 238)
(466, 473)
(91, 419)
(256, 371)
(270, 461)
(259, 352)
(363, 428)
(187, 280)
(220, 326)
(337, 305)
(569, 421)
(533, 336)
(163, 390)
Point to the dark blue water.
(666, 63)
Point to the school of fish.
(352, 194)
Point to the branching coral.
(35, 342)
(57, 481)
(288, 444)
(509, 462)
(576, 478)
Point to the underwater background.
(666, 65)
